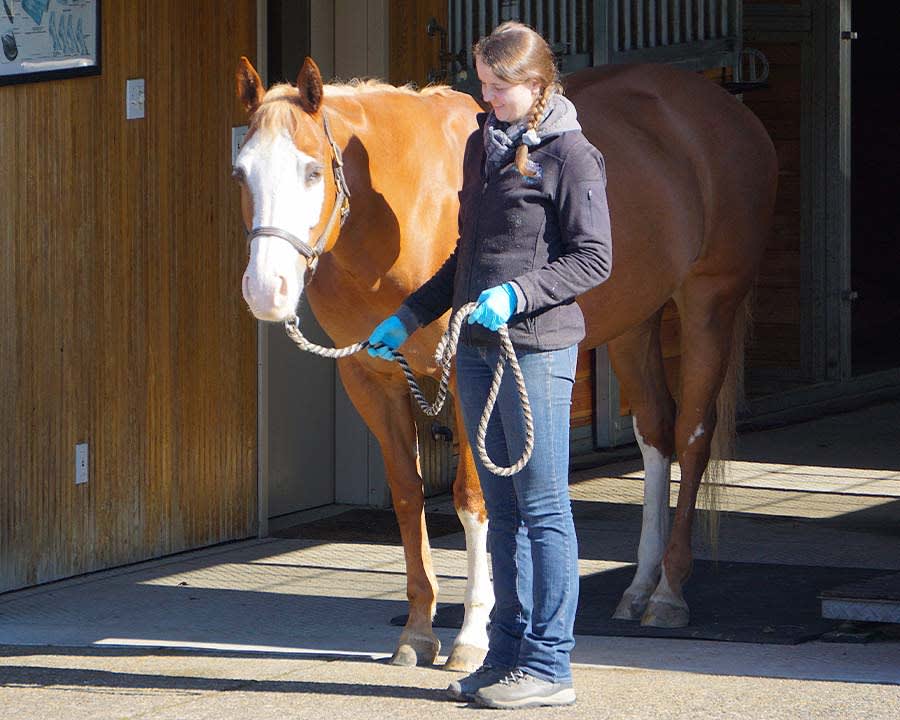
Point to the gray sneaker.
(465, 688)
(518, 689)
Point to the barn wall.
(123, 325)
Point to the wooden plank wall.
(411, 53)
(123, 325)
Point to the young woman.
(534, 234)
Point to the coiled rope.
(443, 356)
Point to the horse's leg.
(637, 360)
(383, 401)
(707, 308)
(471, 643)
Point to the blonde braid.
(537, 113)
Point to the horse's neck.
(403, 161)
(355, 284)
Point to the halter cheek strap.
(341, 208)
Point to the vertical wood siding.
(122, 322)
(412, 55)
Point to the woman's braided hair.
(515, 53)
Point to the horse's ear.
(250, 89)
(309, 83)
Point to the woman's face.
(510, 102)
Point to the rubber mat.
(729, 601)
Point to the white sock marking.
(479, 590)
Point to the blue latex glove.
(387, 337)
(495, 306)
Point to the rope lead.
(443, 356)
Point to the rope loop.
(443, 356)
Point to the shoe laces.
(513, 677)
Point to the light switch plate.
(237, 140)
(81, 463)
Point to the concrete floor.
(298, 628)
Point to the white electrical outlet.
(81, 463)
(237, 140)
(134, 99)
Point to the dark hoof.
(416, 651)
(405, 656)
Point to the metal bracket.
(750, 73)
(446, 58)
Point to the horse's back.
(685, 162)
(682, 109)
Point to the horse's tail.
(729, 401)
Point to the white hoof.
(465, 658)
(631, 606)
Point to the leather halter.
(341, 206)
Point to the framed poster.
(48, 39)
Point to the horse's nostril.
(245, 287)
(283, 287)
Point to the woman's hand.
(387, 337)
(495, 307)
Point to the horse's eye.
(314, 174)
(238, 174)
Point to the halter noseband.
(341, 206)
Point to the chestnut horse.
(691, 185)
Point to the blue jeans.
(531, 534)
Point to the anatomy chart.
(59, 37)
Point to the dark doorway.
(875, 137)
(288, 38)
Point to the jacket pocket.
(593, 195)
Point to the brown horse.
(691, 186)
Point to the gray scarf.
(501, 140)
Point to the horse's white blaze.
(277, 176)
(655, 519)
(479, 590)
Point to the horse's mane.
(277, 107)
(359, 86)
